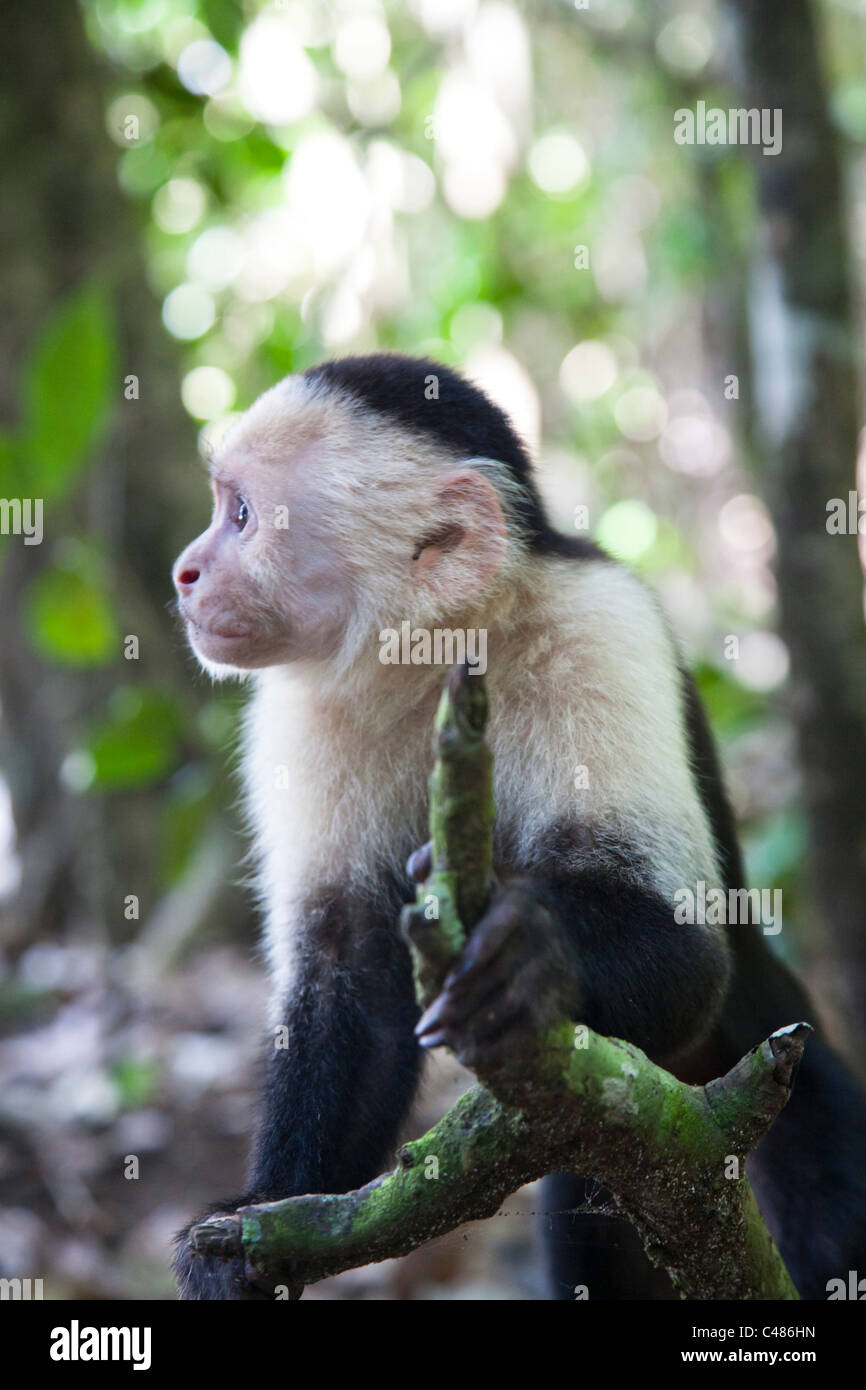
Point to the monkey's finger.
(429, 1023)
(513, 984)
(449, 1009)
(482, 1001)
(467, 989)
(487, 939)
(420, 863)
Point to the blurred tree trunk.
(807, 407)
(66, 220)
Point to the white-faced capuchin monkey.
(348, 501)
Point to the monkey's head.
(363, 493)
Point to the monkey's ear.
(466, 544)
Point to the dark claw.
(420, 863)
(453, 1009)
(431, 1016)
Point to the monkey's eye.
(242, 514)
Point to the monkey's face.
(262, 585)
(328, 527)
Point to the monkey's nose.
(185, 578)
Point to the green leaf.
(136, 746)
(68, 618)
(68, 390)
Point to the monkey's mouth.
(225, 634)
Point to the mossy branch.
(576, 1101)
(462, 812)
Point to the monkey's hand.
(515, 976)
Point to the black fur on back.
(462, 419)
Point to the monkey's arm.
(588, 946)
(339, 1077)
(335, 1096)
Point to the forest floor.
(125, 1107)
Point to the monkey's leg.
(337, 1092)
